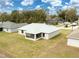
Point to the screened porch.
(35, 36)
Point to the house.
(35, 31)
(10, 26)
(1, 26)
(73, 38)
(55, 20)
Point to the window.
(38, 35)
(22, 31)
(30, 35)
(1, 29)
(43, 34)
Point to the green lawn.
(15, 45)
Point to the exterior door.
(43, 34)
(1, 29)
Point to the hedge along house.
(73, 39)
(35, 31)
(10, 26)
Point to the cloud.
(38, 7)
(66, 3)
(64, 7)
(71, 4)
(56, 3)
(6, 2)
(19, 8)
(49, 8)
(45, 1)
(52, 10)
(0, 6)
(53, 2)
(74, 1)
(9, 3)
(27, 2)
(6, 5)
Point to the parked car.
(74, 24)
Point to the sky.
(51, 5)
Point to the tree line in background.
(69, 15)
(24, 16)
(39, 16)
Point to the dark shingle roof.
(11, 25)
(0, 24)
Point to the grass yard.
(15, 45)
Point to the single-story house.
(10, 26)
(55, 20)
(1, 29)
(73, 38)
(35, 31)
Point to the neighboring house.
(10, 26)
(35, 31)
(1, 29)
(73, 38)
(55, 20)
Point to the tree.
(43, 15)
(25, 16)
(4, 17)
(15, 16)
(68, 15)
(62, 14)
(71, 15)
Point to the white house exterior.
(73, 39)
(35, 31)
